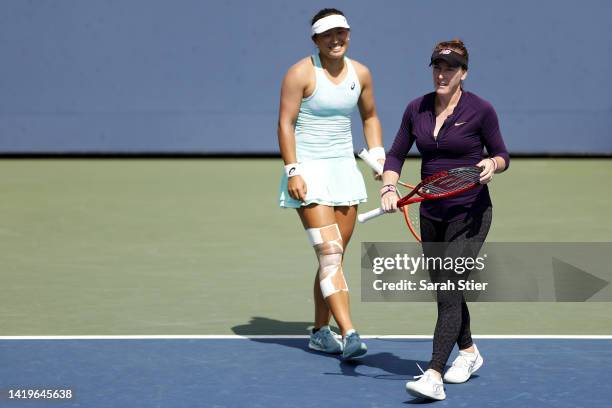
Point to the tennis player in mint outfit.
(321, 181)
(450, 127)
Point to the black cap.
(453, 58)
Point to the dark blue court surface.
(283, 373)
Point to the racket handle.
(367, 216)
(370, 161)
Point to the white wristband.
(292, 169)
(377, 153)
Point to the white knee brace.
(327, 243)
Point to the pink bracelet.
(390, 188)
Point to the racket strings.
(448, 184)
(457, 180)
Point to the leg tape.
(327, 243)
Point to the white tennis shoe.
(427, 386)
(463, 367)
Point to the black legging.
(464, 238)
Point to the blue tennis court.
(282, 372)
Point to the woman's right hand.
(297, 188)
(388, 198)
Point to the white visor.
(329, 22)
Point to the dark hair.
(324, 13)
(456, 45)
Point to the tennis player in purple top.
(450, 127)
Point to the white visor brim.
(329, 22)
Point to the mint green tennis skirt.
(332, 182)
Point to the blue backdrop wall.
(204, 76)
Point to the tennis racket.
(443, 184)
(410, 211)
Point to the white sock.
(349, 332)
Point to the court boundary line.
(305, 336)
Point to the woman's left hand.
(488, 170)
(376, 175)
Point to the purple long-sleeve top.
(471, 127)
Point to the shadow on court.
(396, 368)
(420, 401)
(264, 326)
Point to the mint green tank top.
(323, 126)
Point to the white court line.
(237, 337)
